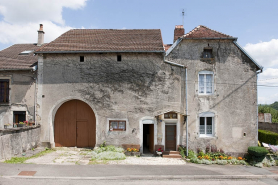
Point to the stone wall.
(15, 141)
(21, 95)
(268, 126)
(141, 85)
(234, 97)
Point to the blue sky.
(254, 22)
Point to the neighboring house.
(18, 82)
(119, 86)
(222, 90)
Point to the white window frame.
(207, 115)
(205, 73)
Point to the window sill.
(4, 104)
(208, 137)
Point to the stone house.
(18, 82)
(126, 87)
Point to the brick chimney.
(40, 36)
(178, 32)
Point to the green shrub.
(257, 151)
(191, 154)
(182, 151)
(268, 137)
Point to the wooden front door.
(75, 125)
(170, 140)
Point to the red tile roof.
(167, 46)
(10, 57)
(109, 40)
(205, 32)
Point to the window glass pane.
(201, 83)
(202, 125)
(209, 83)
(114, 124)
(209, 125)
(122, 125)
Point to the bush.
(182, 151)
(257, 151)
(268, 137)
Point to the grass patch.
(15, 160)
(92, 162)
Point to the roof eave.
(211, 38)
(109, 51)
(15, 69)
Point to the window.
(81, 58)
(119, 57)
(171, 115)
(207, 124)
(19, 116)
(205, 82)
(207, 53)
(4, 91)
(117, 125)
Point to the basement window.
(119, 58)
(81, 58)
(19, 116)
(117, 125)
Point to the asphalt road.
(137, 174)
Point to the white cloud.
(25, 11)
(21, 19)
(269, 77)
(266, 53)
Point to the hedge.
(257, 151)
(268, 137)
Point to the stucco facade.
(22, 86)
(137, 89)
(233, 100)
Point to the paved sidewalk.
(79, 156)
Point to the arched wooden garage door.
(75, 125)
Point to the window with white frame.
(205, 82)
(206, 124)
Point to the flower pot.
(20, 125)
(5, 126)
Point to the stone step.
(170, 152)
(172, 156)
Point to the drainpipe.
(35, 95)
(258, 72)
(186, 105)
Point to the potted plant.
(6, 125)
(21, 124)
(159, 151)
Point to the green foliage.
(109, 148)
(182, 151)
(257, 151)
(109, 155)
(14, 160)
(201, 153)
(216, 154)
(268, 137)
(269, 109)
(274, 105)
(191, 154)
(103, 144)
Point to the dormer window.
(207, 53)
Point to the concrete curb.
(155, 177)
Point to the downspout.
(186, 105)
(35, 95)
(258, 72)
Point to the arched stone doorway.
(75, 125)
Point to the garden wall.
(15, 141)
(268, 126)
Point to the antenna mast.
(183, 17)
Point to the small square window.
(117, 125)
(207, 53)
(81, 58)
(119, 57)
(206, 126)
(19, 116)
(170, 115)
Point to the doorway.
(75, 125)
(170, 137)
(148, 138)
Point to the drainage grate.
(27, 173)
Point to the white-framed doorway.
(148, 121)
